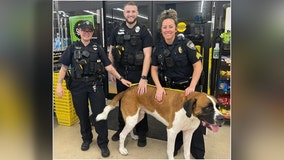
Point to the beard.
(131, 22)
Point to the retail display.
(223, 80)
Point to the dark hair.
(168, 14)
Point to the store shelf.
(223, 83)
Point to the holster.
(68, 79)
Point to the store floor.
(67, 142)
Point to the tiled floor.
(67, 142)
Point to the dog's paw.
(171, 157)
(100, 117)
(123, 151)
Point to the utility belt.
(131, 68)
(181, 84)
(86, 79)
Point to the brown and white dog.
(177, 111)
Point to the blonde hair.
(168, 14)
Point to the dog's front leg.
(187, 135)
(171, 143)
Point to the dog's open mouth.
(212, 127)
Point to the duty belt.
(182, 84)
(132, 68)
(86, 79)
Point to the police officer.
(176, 64)
(130, 51)
(88, 61)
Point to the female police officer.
(88, 61)
(176, 64)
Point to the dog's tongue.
(212, 127)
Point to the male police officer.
(130, 50)
(88, 61)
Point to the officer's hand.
(142, 86)
(112, 77)
(159, 94)
(126, 82)
(189, 90)
(59, 90)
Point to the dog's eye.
(208, 109)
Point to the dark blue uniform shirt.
(67, 56)
(182, 54)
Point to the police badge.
(180, 50)
(95, 47)
(137, 29)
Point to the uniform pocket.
(181, 60)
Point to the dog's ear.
(189, 106)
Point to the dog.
(177, 111)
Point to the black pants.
(81, 93)
(142, 126)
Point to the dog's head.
(205, 108)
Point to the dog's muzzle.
(219, 121)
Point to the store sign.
(74, 21)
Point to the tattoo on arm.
(60, 80)
(64, 69)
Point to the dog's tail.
(110, 106)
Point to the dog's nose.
(220, 119)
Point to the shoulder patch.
(190, 45)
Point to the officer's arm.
(61, 75)
(155, 77)
(147, 60)
(110, 54)
(197, 69)
(113, 71)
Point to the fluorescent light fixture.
(201, 6)
(117, 18)
(91, 12)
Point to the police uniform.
(128, 44)
(175, 70)
(87, 71)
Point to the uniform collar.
(174, 43)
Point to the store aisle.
(67, 142)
